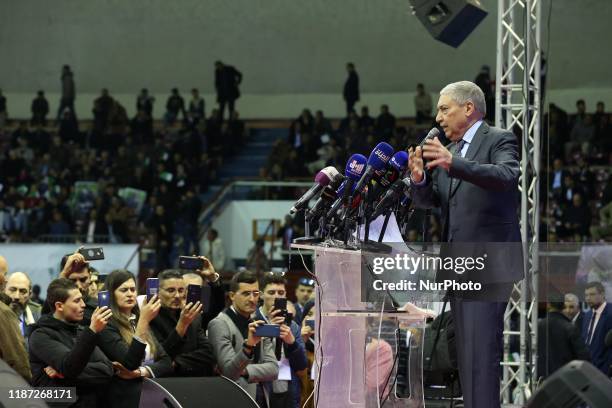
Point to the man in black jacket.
(65, 354)
(351, 88)
(178, 327)
(559, 341)
(227, 79)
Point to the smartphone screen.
(152, 287)
(194, 294)
(103, 298)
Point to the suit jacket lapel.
(473, 148)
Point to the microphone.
(391, 197)
(396, 168)
(327, 197)
(353, 171)
(377, 162)
(434, 132)
(321, 180)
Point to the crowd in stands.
(116, 179)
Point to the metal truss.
(518, 108)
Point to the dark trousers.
(230, 104)
(350, 106)
(479, 326)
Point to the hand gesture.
(286, 335)
(74, 259)
(52, 372)
(276, 317)
(253, 340)
(415, 164)
(437, 154)
(306, 333)
(188, 315)
(150, 309)
(99, 319)
(208, 272)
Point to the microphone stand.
(307, 239)
(384, 227)
(367, 245)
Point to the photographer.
(289, 347)
(179, 327)
(129, 342)
(63, 353)
(76, 268)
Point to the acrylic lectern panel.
(366, 357)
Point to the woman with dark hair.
(128, 341)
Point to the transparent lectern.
(365, 356)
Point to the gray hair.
(464, 91)
(570, 297)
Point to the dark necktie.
(458, 147)
(591, 326)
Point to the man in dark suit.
(559, 341)
(596, 324)
(19, 289)
(475, 183)
(227, 79)
(351, 88)
(571, 310)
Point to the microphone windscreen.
(380, 156)
(325, 175)
(355, 166)
(399, 161)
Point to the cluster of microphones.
(370, 187)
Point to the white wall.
(42, 261)
(235, 223)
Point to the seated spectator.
(178, 326)
(129, 342)
(322, 125)
(577, 219)
(241, 356)
(39, 109)
(175, 105)
(12, 345)
(64, 353)
(19, 289)
(366, 122)
(604, 229)
(289, 347)
(559, 341)
(76, 269)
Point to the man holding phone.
(178, 326)
(289, 346)
(241, 355)
(76, 268)
(63, 353)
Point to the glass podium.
(366, 354)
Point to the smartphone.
(92, 254)
(192, 262)
(288, 319)
(206, 295)
(310, 323)
(152, 287)
(267, 330)
(280, 303)
(103, 298)
(194, 294)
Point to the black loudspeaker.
(192, 392)
(449, 21)
(11, 380)
(574, 383)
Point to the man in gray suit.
(474, 182)
(241, 356)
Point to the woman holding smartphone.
(129, 343)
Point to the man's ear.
(59, 307)
(231, 296)
(469, 108)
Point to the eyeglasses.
(306, 282)
(249, 293)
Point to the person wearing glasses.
(241, 356)
(289, 347)
(304, 292)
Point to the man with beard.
(76, 268)
(19, 289)
(178, 326)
